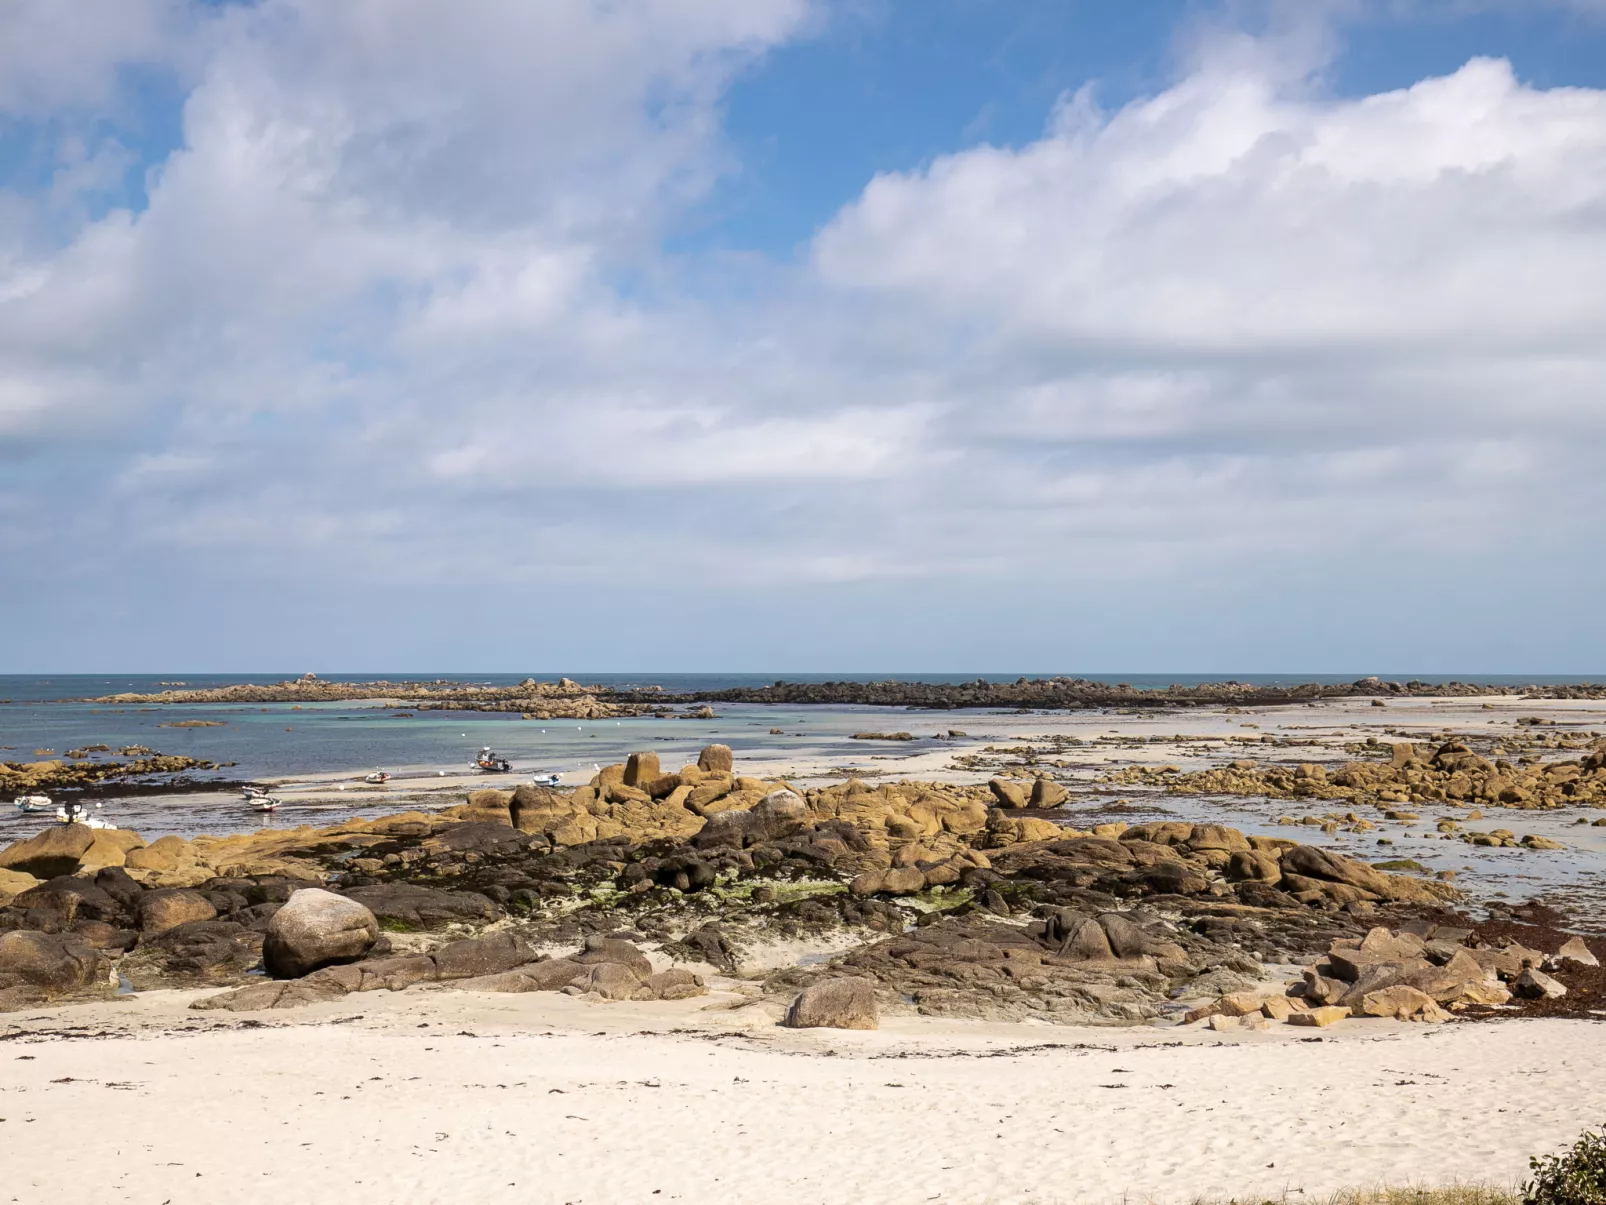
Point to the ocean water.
(284, 740)
(51, 712)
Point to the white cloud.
(1224, 216)
(1241, 302)
(56, 56)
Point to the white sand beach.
(430, 1096)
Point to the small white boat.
(252, 794)
(546, 780)
(29, 804)
(377, 777)
(264, 803)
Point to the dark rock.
(482, 956)
(423, 907)
(706, 944)
(686, 874)
(51, 963)
(204, 948)
(599, 950)
(171, 907)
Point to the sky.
(803, 335)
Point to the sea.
(47, 715)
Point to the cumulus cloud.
(400, 292)
(1249, 303)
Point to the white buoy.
(442, 773)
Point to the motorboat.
(253, 794)
(77, 813)
(30, 804)
(546, 780)
(264, 803)
(377, 777)
(492, 763)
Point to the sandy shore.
(428, 1096)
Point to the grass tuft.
(1455, 1194)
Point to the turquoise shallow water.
(283, 742)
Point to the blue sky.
(803, 335)
(886, 86)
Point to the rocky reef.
(564, 699)
(567, 699)
(1450, 773)
(132, 764)
(941, 900)
(1072, 694)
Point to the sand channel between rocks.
(549, 1102)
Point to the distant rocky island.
(568, 699)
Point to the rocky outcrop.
(839, 1003)
(52, 775)
(1071, 966)
(1062, 693)
(564, 699)
(56, 850)
(1428, 973)
(605, 969)
(1450, 773)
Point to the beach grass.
(1454, 1194)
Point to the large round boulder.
(316, 928)
(847, 1003)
